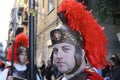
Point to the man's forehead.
(63, 45)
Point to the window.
(50, 5)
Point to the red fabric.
(79, 19)
(93, 75)
(20, 40)
(1, 63)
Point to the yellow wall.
(47, 22)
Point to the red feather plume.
(20, 40)
(9, 54)
(79, 19)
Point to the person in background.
(42, 68)
(48, 73)
(21, 69)
(51, 71)
(55, 72)
(77, 39)
(2, 66)
(37, 73)
(115, 70)
(106, 72)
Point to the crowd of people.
(79, 50)
(50, 72)
(113, 71)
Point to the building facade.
(47, 20)
(19, 19)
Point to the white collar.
(64, 78)
(20, 67)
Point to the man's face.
(112, 63)
(23, 57)
(63, 54)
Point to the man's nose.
(60, 54)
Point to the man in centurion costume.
(20, 66)
(79, 43)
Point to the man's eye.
(55, 51)
(66, 49)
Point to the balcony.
(20, 10)
(24, 18)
